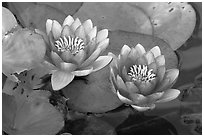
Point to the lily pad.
(8, 21)
(34, 116)
(35, 15)
(173, 22)
(21, 50)
(115, 16)
(92, 94)
(68, 8)
(95, 93)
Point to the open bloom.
(141, 79)
(74, 49)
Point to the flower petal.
(145, 108)
(125, 51)
(154, 97)
(52, 46)
(56, 29)
(56, 58)
(75, 24)
(92, 33)
(101, 35)
(68, 67)
(124, 99)
(169, 78)
(61, 79)
(147, 87)
(131, 87)
(67, 56)
(101, 62)
(114, 62)
(88, 25)
(153, 66)
(68, 21)
(169, 95)
(160, 60)
(91, 46)
(91, 58)
(124, 74)
(103, 45)
(140, 49)
(80, 32)
(113, 78)
(48, 26)
(121, 86)
(84, 72)
(79, 57)
(66, 31)
(49, 66)
(141, 61)
(150, 57)
(138, 99)
(133, 55)
(156, 51)
(160, 73)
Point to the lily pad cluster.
(66, 58)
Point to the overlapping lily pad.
(30, 113)
(116, 16)
(173, 22)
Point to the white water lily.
(75, 50)
(141, 79)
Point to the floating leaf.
(35, 15)
(8, 21)
(22, 50)
(68, 8)
(115, 16)
(173, 22)
(35, 116)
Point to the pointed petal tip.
(101, 62)
(48, 26)
(61, 79)
(101, 35)
(124, 99)
(156, 51)
(68, 20)
(140, 48)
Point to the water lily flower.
(75, 49)
(141, 79)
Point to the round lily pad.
(173, 22)
(115, 16)
(8, 21)
(95, 93)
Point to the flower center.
(74, 45)
(141, 73)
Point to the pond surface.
(182, 116)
